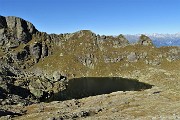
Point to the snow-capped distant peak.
(159, 39)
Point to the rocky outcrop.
(33, 52)
(44, 50)
(20, 28)
(132, 57)
(58, 77)
(36, 51)
(111, 41)
(88, 60)
(11, 94)
(14, 30)
(120, 41)
(14, 88)
(144, 40)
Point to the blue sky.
(109, 17)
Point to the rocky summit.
(84, 75)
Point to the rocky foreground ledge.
(35, 67)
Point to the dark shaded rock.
(3, 23)
(6, 113)
(44, 50)
(40, 88)
(4, 87)
(18, 90)
(2, 94)
(36, 51)
(22, 55)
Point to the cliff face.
(38, 63)
(14, 30)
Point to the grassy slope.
(65, 58)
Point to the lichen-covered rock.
(145, 40)
(154, 62)
(113, 60)
(88, 60)
(13, 43)
(57, 76)
(132, 57)
(143, 55)
(121, 41)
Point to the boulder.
(132, 57)
(58, 77)
(145, 40)
(123, 40)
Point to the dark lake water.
(78, 88)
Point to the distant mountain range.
(158, 39)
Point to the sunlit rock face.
(14, 30)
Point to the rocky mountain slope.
(36, 67)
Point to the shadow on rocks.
(20, 91)
(6, 113)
